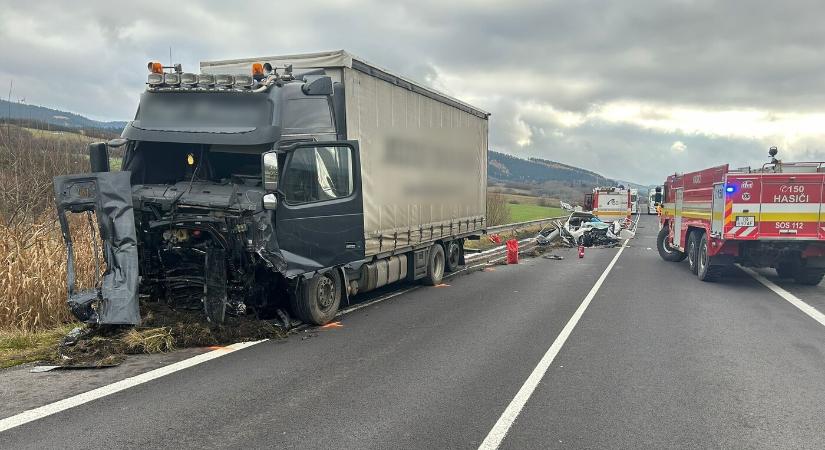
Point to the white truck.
(634, 201)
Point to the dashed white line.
(502, 426)
(103, 391)
(792, 299)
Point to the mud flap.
(108, 195)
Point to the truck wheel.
(707, 272)
(319, 298)
(787, 269)
(453, 255)
(810, 276)
(665, 251)
(693, 250)
(435, 266)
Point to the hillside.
(507, 168)
(42, 114)
(543, 177)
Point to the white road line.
(502, 426)
(792, 299)
(103, 391)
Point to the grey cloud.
(90, 57)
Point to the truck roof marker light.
(206, 80)
(155, 67)
(172, 79)
(188, 79)
(224, 80)
(155, 80)
(243, 81)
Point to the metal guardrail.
(513, 226)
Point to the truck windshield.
(169, 163)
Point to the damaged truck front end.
(106, 198)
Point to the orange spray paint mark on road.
(442, 285)
(488, 269)
(331, 325)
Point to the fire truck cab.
(766, 217)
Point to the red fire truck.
(767, 217)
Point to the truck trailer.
(278, 183)
(764, 217)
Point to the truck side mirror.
(99, 157)
(317, 85)
(269, 163)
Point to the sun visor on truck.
(205, 118)
(106, 197)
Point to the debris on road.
(162, 330)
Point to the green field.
(524, 212)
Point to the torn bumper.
(107, 195)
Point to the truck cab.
(231, 178)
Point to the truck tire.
(318, 298)
(453, 257)
(665, 251)
(787, 269)
(810, 276)
(693, 250)
(706, 271)
(435, 265)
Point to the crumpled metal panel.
(109, 196)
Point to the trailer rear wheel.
(665, 250)
(810, 276)
(453, 255)
(707, 272)
(318, 298)
(693, 250)
(435, 266)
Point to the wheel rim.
(325, 292)
(454, 255)
(438, 266)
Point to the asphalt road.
(658, 360)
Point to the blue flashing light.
(730, 189)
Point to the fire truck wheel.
(435, 267)
(810, 276)
(787, 269)
(318, 299)
(707, 272)
(693, 250)
(665, 251)
(453, 255)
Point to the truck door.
(717, 209)
(791, 205)
(320, 216)
(677, 217)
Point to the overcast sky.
(632, 89)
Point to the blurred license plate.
(745, 221)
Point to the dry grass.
(33, 274)
(149, 340)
